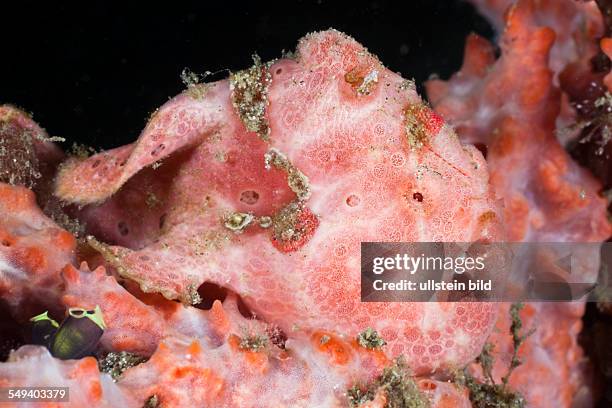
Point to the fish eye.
(76, 312)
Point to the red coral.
(553, 370)
(33, 249)
(33, 366)
(512, 110)
(510, 106)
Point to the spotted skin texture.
(351, 146)
(510, 106)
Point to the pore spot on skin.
(158, 150)
(352, 200)
(249, 197)
(123, 228)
